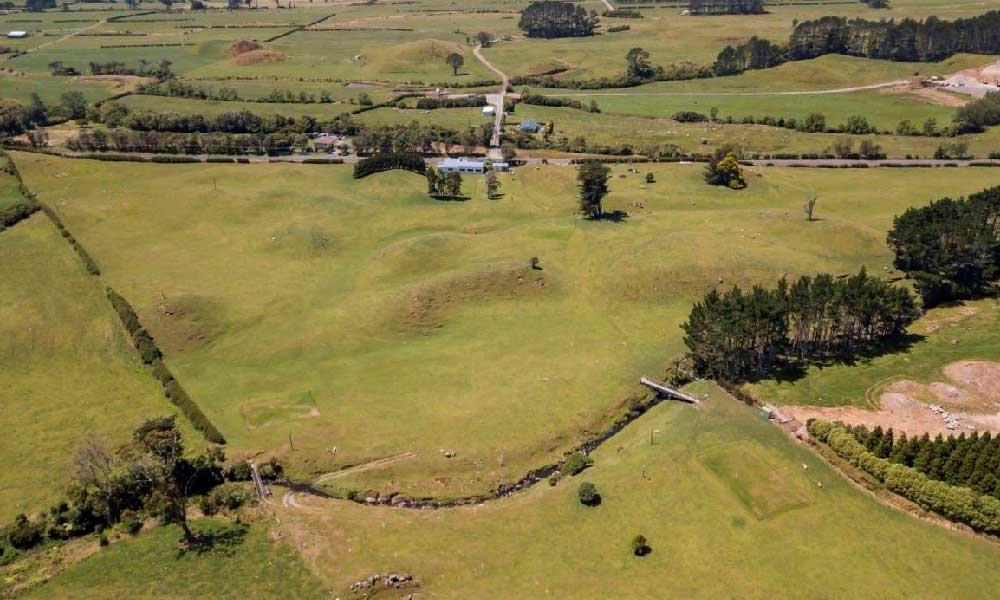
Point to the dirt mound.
(244, 46)
(259, 57)
(183, 322)
(427, 306)
(980, 376)
(247, 52)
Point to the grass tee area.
(366, 321)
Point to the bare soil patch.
(247, 52)
(979, 376)
(905, 405)
(928, 95)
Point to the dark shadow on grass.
(615, 216)
(446, 198)
(223, 539)
(862, 355)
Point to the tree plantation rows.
(972, 462)
(962, 504)
(740, 335)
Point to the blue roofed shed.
(530, 126)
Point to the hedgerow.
(980, 512)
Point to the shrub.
(227, 496)
(588, 495)
(7, 554)
(271, 470)
(131, 522)
(639, 546)
(23, 533)
(576, 463)
(689, 116)
(650, 178)
(102, 538)
(554, 479)
(239, 472)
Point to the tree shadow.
(861, 355)
(447, 198)
(220, 540)
(615, 216)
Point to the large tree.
(950, 247)
(637, 64)
(455, 61)
(592, 178)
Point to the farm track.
(65, 37)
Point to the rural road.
(495, 99)
(844, 90)
(776, 162)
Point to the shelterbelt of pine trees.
(950, 247)
(968, 461)
(740, 335)
(961, 504)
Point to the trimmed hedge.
(980, 512)
(386, 161)
(151, 355)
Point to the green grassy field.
(211, 108)
(671, 38)
(68, 372)
(418, 325)
(967, 332)
(149, 566)
(605, 129)
(730, 507)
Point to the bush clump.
(576, 463)
(587, 492)
(639, 546)
(228, 496)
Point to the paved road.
(844, 90)
(496, 100)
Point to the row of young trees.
(127, 140)
(179, 89)
(740, 335)
(972, 462)
(951, 248)
(907, 40)
(980, 511)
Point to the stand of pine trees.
(906, 40)
(551, 19)
(950, 247)
(726, 7)
(737, 335)
(968, 461)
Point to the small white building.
(17, 34)
(460, 165)
(489, 111)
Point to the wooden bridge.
(663, 390)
